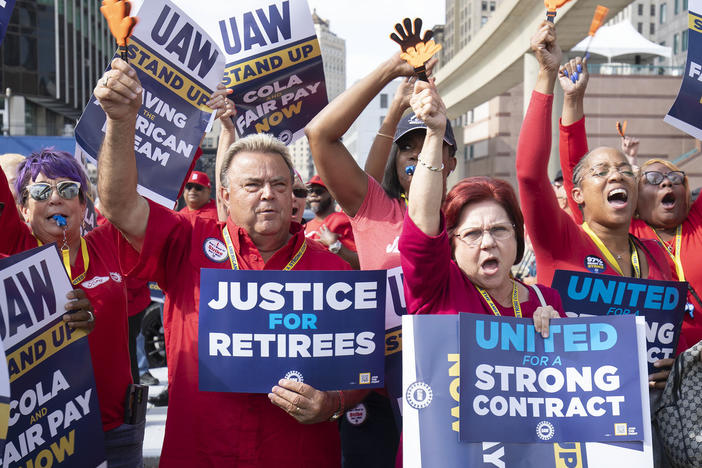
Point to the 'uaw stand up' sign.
(54, 417)
(325, 328)
(179, 66)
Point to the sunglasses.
(656, 178)
(196, 187)
(67, 189)
(300, 192)
(317, 190)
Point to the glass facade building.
(52, 55)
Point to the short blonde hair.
(258, 143)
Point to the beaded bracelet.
(431, 168)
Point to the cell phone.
(135, 403)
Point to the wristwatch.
(335, 247)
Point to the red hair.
(477, 189)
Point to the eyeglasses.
(300, 192)
(196, 187)
(474, 236)
(656, 177)
(604, 170)
(316, 190)
(67, 189)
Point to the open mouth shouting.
(490, 265)
(668, 201)
(618, 198)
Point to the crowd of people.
(457, 247)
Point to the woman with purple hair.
(52, 188)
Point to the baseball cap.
(200, 178)
(412, 122)
(316, 180)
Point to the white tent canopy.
(621, 39)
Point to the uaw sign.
(273, 63)
(432, 414)
(54, 416)
(179, 66)
(661, 303)
(325, 328)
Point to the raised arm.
(427, 187)
(573, 138)
(543, 217)
(119, 94)
(344, 179)
(382, 143)
(227, 135)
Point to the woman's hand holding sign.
(542, 317)
(80, 312)
(658, 379)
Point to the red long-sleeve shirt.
(559, 243)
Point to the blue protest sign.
(395, 308)
(321, 327)
(661, 303)
(5, 16)
(156, 292)
(54, 416)
(273, 64)
(685, 112)
(432, 416)
(179, 66)
(577, 384)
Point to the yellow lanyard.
(493, 307)
(676, 256)
(66, 254)
(235, 263)
(610, 258)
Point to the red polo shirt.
(212, 429)
(338, 223)
(105, 287)
(208, 210)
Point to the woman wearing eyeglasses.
(460, 261)
(51, 186)
(665, 212)
(605, 189)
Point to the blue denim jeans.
(123, 446)
(142, 362)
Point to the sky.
(367, 24)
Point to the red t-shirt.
(212, 429)
(572, 148)
(208, 210)
(106, 289)
(434, 283)
(336, 222)
(559, 243)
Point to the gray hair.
(258, 143)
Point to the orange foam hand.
(553, 5)
(598, 19)
(116, 12)
(621, 128)
(418, 55)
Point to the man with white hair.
(213, 429)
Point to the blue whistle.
(410, 170)
(60, 220)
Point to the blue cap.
(411, 122)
